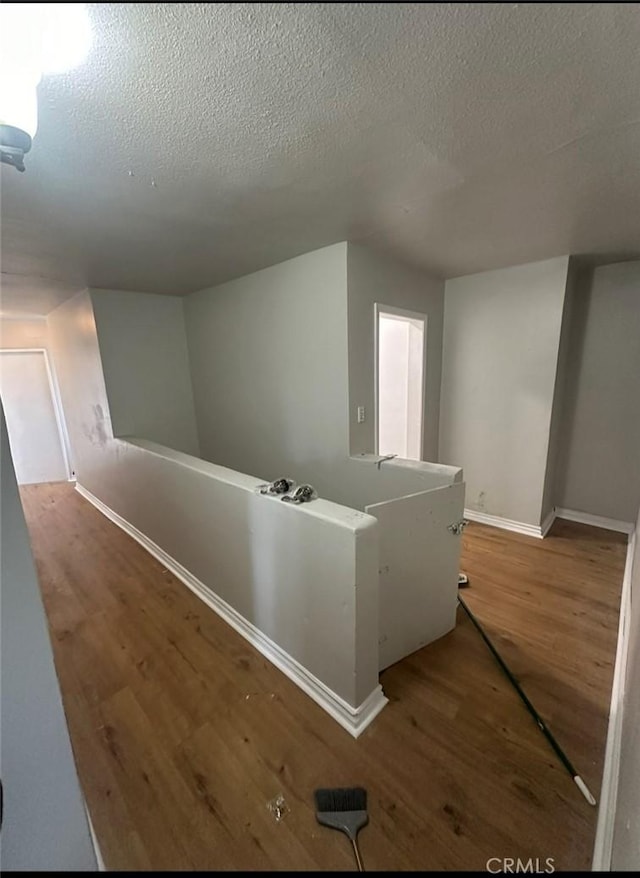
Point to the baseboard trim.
(519, 527)
(603, 847)
(545, 527)
(623, 527)
(354, 719)
(94, 840)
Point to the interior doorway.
(34, 419)
(401, 356)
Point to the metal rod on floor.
(584, 789)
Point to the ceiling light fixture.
(36, 39)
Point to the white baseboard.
(603, 846)
(94, 840)
(545, 527)
(519, 527)
(623, 527)
(354, 719)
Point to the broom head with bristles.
(344, 809)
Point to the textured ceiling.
(200, 142)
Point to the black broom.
(562, 756)
(344, 809)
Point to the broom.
(344, 809)
(562, 756)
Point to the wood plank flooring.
(183, 733)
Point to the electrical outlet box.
(361, 414)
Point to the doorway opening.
(34, 418)
(401, 356)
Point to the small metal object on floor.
(278, 807)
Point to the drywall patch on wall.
(95, 430)
(76, 358)
(501, 340)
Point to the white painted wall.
(301, 575)
(501, 341)
(563, 392)
(45, 825)
(284, 569)
(419, 567)
(269, 367)
(359, 481)
(375, 277)
(35, 433)
(626, 839)
(146, 367)
(27, 332)
(305, 575)
(599, 438)
(269, 363)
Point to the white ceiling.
(200, 142)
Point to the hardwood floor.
(183, 733)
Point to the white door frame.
(57, 404)
(381, 308)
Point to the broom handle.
(357, 853)
(584, 789)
